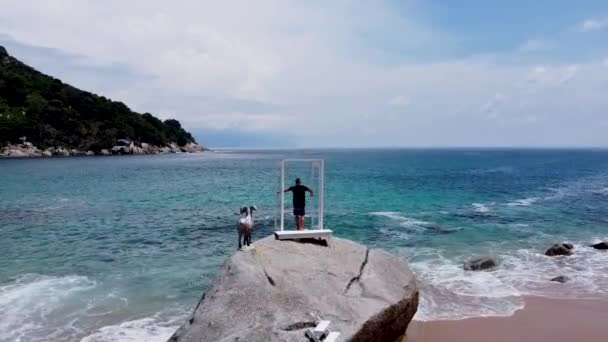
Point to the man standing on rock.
(299, 202)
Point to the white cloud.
(492, 107)
(307, 69)
(543, 76)
(606, 62)
(596, 24)
(533, 45)
(400, 101)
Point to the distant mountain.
(51, 113)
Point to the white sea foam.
(150, 329)
(403, 220)
(500, 169)
(449, 292)
(526, 202)
(30, 302)
(480, 208)
(580, 187)
(603, 191)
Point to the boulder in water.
(561, 279)
(274, 291)
(192, 148)
(76, 152)
(137, 150)
(600, 245)
(104, 152)
(560, 249)
(480, 264)
(47, 153)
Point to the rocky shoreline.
(123, 147)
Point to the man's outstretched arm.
(312, 194)
(286, 190)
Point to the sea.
(121, 248)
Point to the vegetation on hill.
(51, 113)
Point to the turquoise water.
(121, 248)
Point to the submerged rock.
(560, 249)
(600, 245)
(561, 279)
(274, 291)
(480, 264)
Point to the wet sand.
(541, 320)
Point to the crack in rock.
(269, 278)
(300, 326)
(358, 276)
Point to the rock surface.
(600, 245)
(561, 279)
(480, 264)
(560, 249)
(277, 289)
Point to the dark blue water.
(120, 248)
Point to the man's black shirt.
(299, 195)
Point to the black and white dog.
(245, 225)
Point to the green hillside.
(51, 113)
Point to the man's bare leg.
(297, 218)
(302, 222)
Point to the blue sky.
(335, 73)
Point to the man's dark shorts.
(299, 212)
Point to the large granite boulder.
(137, 150)
(121, 150)
(560, 249)
(17, 153)
(277, 289)
(60, 151)
(480, 264)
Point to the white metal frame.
(319, 191)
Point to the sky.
(344, 73)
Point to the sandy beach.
(541, 320)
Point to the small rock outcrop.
(600, 245)
(277, 289)
(480, 264)
(560, 279)
(560, 249)
(192, 148)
